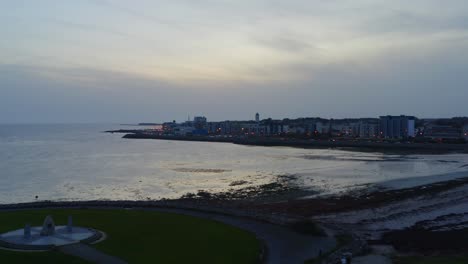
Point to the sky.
(121, 61)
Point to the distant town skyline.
(101, 61)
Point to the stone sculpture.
(27, 231)
(48, 228)
(70, 224)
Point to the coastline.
(363, 146)
(293, 208)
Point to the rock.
(235, 183)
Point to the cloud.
(127, 61)
(284, 43)
(89, 27)
(138, 12)
(413, 22)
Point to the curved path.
(90, 254)
(283, 244)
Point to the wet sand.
(358, 200)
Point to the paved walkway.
(90, 254)
(284, 245)
(372, 259)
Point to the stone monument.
(48, 236)
(70, 224)
(27, 231)
(48, 228)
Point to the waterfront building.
(251, 128)
(368, 129)
(336, 128)
(349, 129)
(465, 132)
(311, 127)
(442, 132)
(212, 127)
(257, 117)
(218, 128)
(168, 127)
(274, 127)
(397, 127)
(182, 130)
(199, 122)
(236, 128)
(322, 127)
(296, 130)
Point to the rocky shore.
(269, 199)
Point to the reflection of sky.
(400, 167)
(78, 162)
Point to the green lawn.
(143, 237)
(430, 260)
(39, 257)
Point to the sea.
(64, 162)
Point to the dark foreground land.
(361, 145)
(137, 236)
(424, 224)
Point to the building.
(350, 130)
(168, 127)
(442, 132)
(181, 130)
(397, 127)
(368, 129)
(274, 127)
(322, 127)
(199, 122)
(257, 117)
(465, 132)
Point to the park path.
(90, 254)
(283, 244)
(372, 259)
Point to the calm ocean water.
(78, 162)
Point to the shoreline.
(291, 208)
(364, 146)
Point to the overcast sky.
(130, 61)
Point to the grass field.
(142, 237)
(39, 257)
